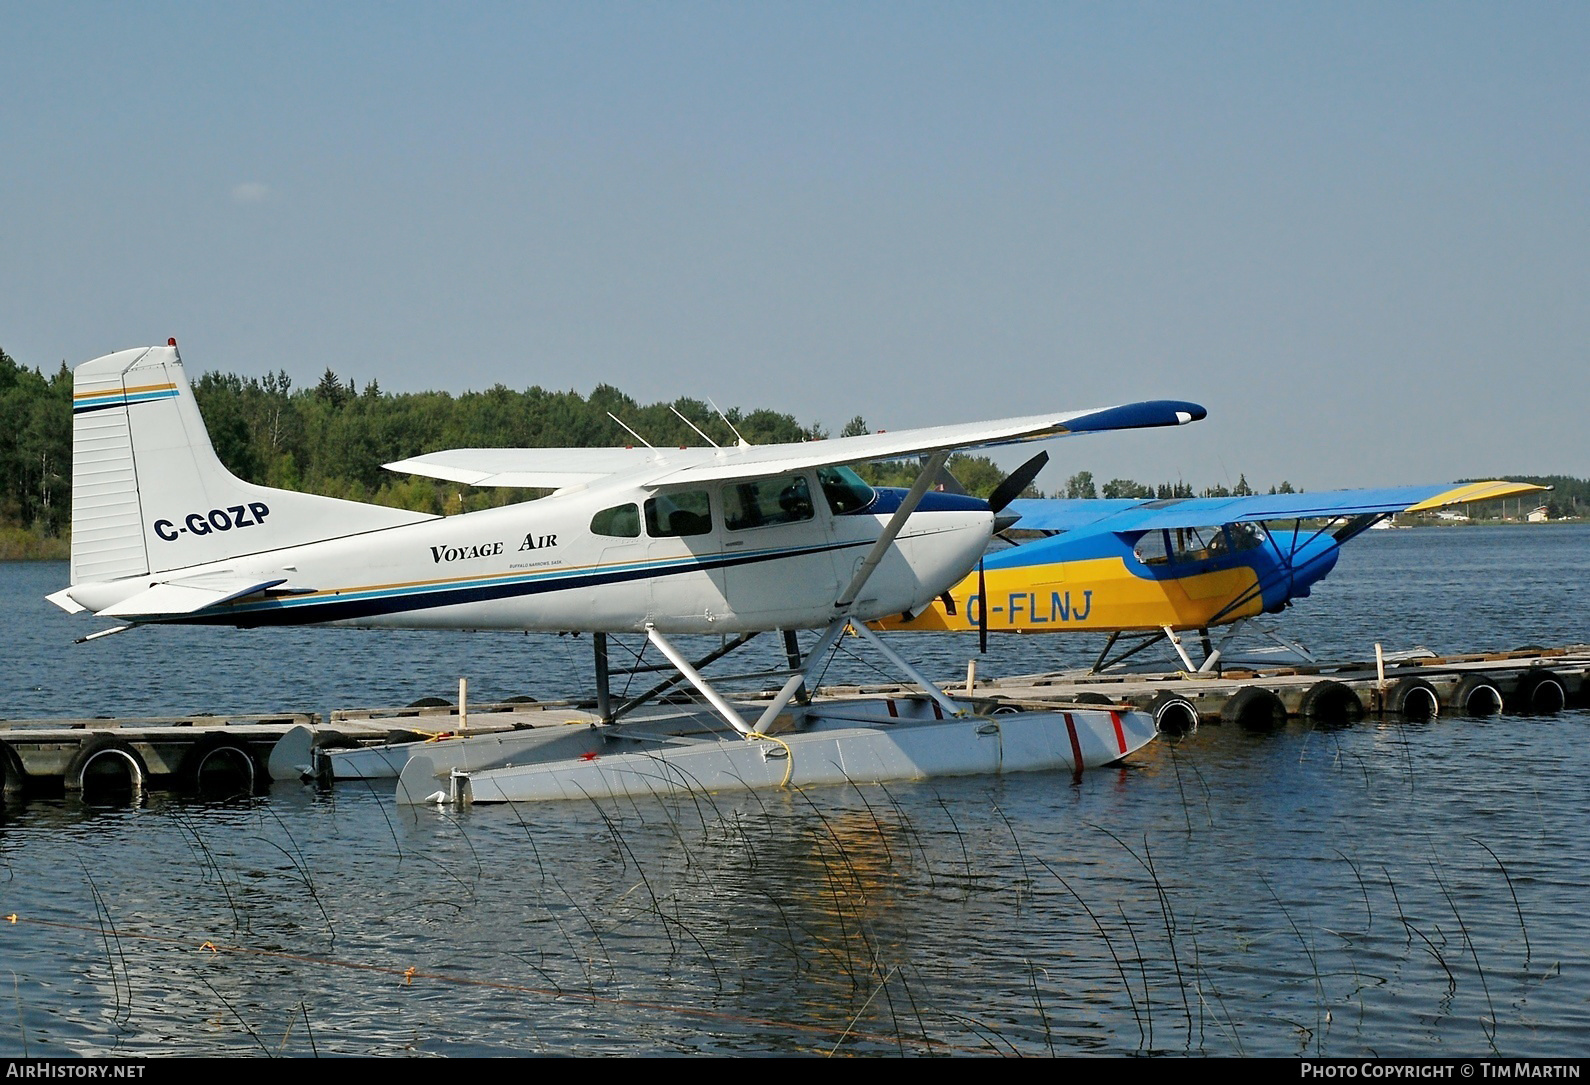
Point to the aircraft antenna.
(743, 442)
(629, 431)
(693, 426)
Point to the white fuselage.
(565, 563)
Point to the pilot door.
(777, 546)
(682, 552)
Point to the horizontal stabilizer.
(176, 597)
(64, 600)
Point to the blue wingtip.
(1154, 412)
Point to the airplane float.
(656, 541)
(1149, 570)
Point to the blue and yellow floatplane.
(1149, 570)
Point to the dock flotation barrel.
(1539, 691)
(1476, 695)
(13, 777)
(1413, 699)
(1173, 714)
(105, 766)
(1255, 708)
(221, 766)
(1331, 703)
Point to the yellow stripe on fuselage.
(1098, 595)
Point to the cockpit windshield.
(844, 490)
(1185, 545)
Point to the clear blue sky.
(1356, 232)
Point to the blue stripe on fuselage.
(888, 499)
(356, 603)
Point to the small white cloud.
(251, 192)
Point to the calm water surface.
(1380, 889)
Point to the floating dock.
(199, 753)
(242, 754)
(1422, 686)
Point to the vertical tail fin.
(149, 494)
(107, 532)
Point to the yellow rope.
(789, 755)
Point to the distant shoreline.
(20, 544)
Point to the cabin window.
(1151, 549)
(619, 522)
(784, 499)
(676, 515)
(1180, 546)
(1244, 536)
(844, 490)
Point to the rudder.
(149, 494)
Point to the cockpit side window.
(843, 490)
(1189, 545)
(783, 499)
(1245, 536)
(619, 522)
(679, 514)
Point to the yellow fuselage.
(1094, 595)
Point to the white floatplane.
(658, 542)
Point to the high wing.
(1133, 515)
(531, 468)
(1146, 568)
(569, 468)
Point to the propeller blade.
(982, 611)
(1017, 481)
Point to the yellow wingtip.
(1477, 491)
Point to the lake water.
(1383, 889)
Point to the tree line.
(35, 459)
(333, 438)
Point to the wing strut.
(721, 705)
(930, 688)
(930, 472)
